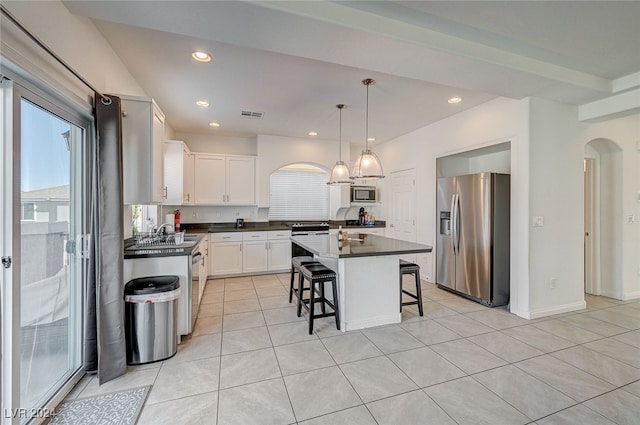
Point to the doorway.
(603, 215)
(44, 219)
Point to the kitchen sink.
(186, 244)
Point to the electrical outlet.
(194, 215)
(553, 283)
(538, 221)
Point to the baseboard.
(353, 325)
(631, 296)
(550, 311)
(616, 295)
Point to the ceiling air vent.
(252, 115)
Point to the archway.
(603, 218)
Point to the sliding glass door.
(44, 297)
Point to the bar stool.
(407, 267)
(318, 274)
(296, 262)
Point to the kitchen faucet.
(162, 229)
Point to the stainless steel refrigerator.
(472, 244)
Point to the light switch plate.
(538, 221)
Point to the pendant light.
(367, 166)
(340, 172)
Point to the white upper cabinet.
(178, 173)
(224, 180)
(209, 179)
(142, 151)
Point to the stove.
(307, 228)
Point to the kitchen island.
(368, 275)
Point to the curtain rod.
(104, 99)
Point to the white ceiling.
(295, 61)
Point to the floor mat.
(117, 408)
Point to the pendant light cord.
(103, 98)
(340, 106)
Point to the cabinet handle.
(165, 192)
(226, 237)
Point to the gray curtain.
(105, 349)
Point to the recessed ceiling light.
(371, 139)
(202, 103)
(455, 99)
(201, 56)
(214, 124)
(313, 133)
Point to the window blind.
(299, 195)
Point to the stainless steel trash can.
(151, 316)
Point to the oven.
(306, 229)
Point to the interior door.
(473, 265)
(403, 208)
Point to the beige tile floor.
(251, 361)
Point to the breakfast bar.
(368, 275)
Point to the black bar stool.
(296, 262)
(407, 267)
(318, 274)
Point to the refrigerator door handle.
(454, 221)
(457, 240)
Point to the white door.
(226, 258)
(157, 169)
(590, 262)
(187, 177)
(209, 179)
(403, 209)
(241, 187)
(280, 255)
(45, 175)
(254, 257)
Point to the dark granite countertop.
(257, 226)
(366, 246)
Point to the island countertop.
(358, 245)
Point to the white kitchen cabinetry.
(142, 153)
(178, 173)
(225, 253)
(254, 252)
(224, 180)
(203, 266)
(249, 252)
(279, 250)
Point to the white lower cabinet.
(254, 252)
(225, 253)
(279, 251)
(279, 255)
(249, 252)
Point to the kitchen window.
(299, 192)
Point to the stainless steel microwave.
(364, 194)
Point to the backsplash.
(223, 214)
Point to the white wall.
(498, 121)
(556, 193)
(276, 151)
